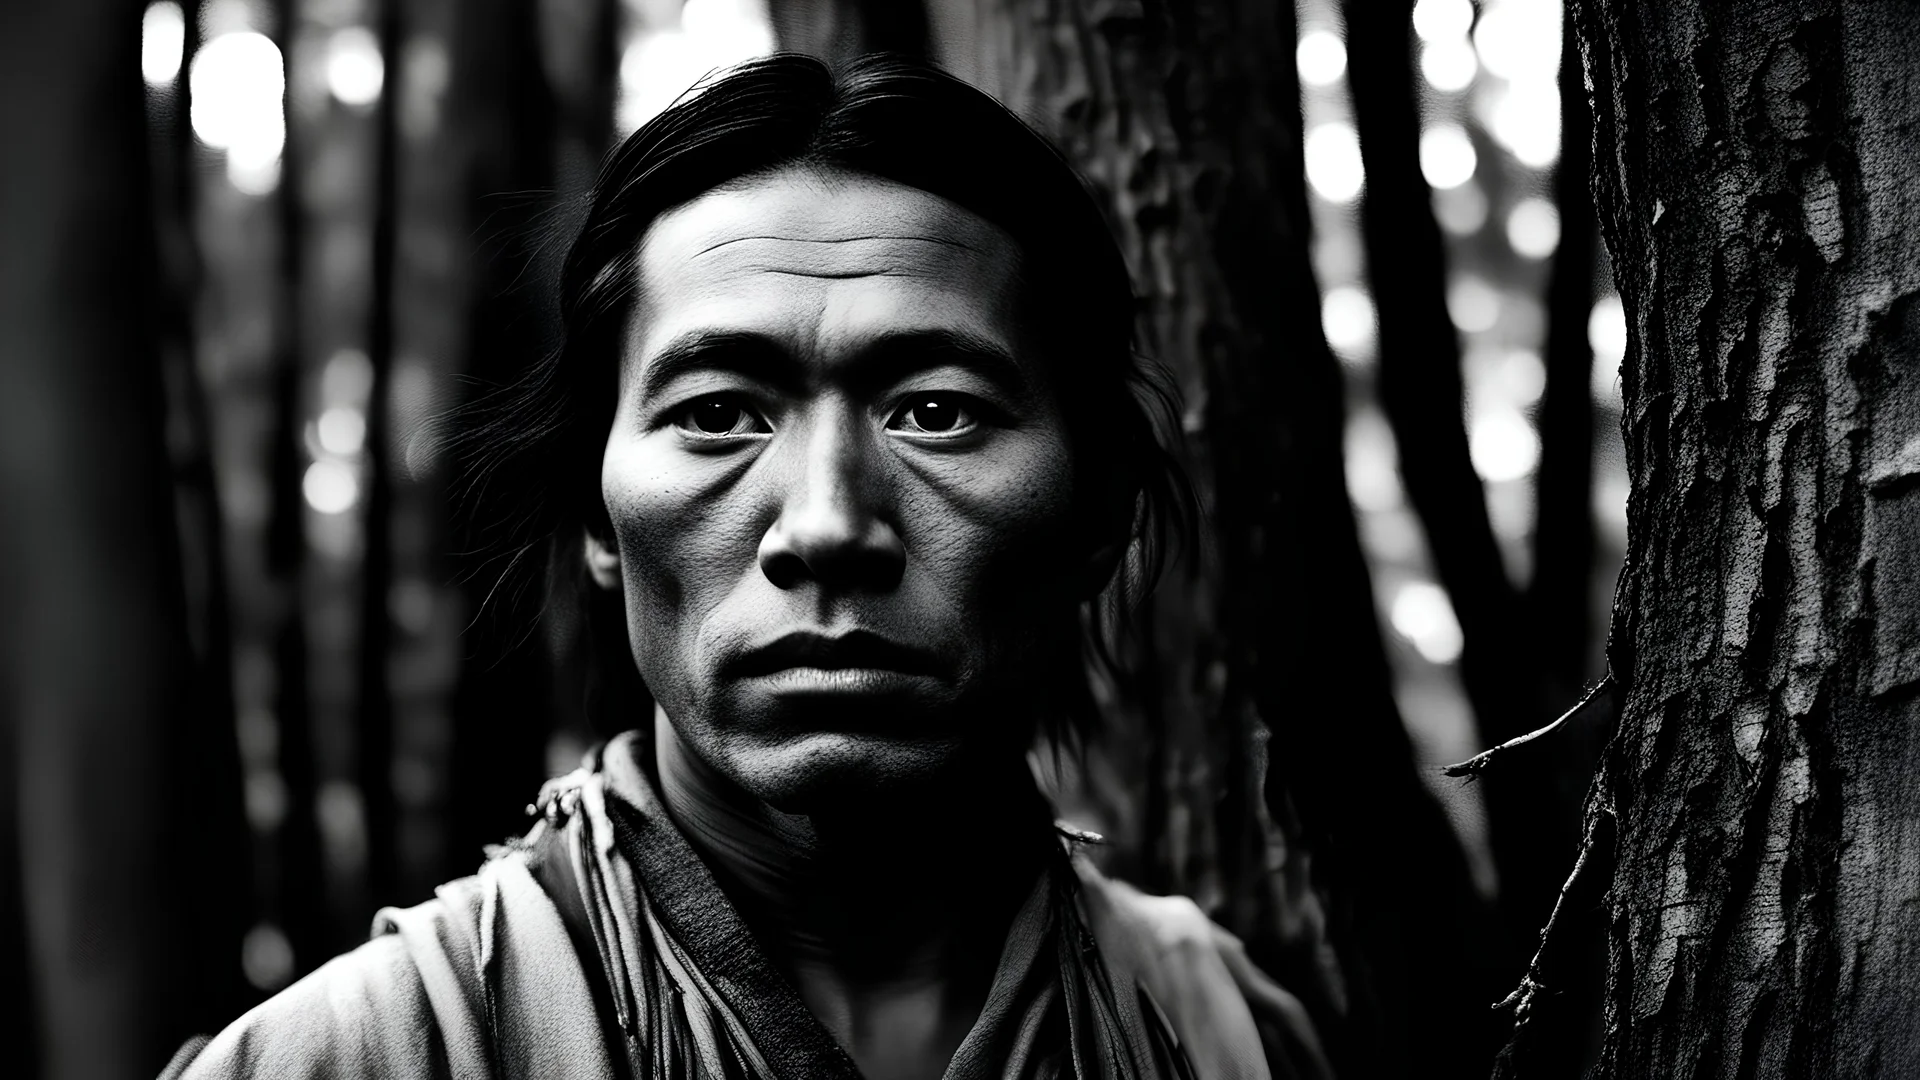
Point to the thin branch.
(1473, 765)
(1522, 998)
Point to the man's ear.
(603, 560)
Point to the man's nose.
(833, 529)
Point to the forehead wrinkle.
(880, 271)
(838, 240)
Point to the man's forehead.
(828, 226)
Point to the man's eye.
(934, 414)
(719, 417)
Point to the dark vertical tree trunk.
(1186, 119)
(1562, 1041)
(1758, 179)
(223, 912)
(502, 115)
(374, 712)
(1531, 816)
(1559, 611)
(301, 899)
(109, 770)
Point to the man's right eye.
(718, 417)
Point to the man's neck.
(888, 921)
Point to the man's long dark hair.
(531, 451)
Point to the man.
(848, 427)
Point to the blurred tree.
(299, 902)
(1334, 864)
(502, 115)
(1563, 548)
(373, 715)
(113, 780)
(1515, 671)
(1759, 188)
(1559, 616)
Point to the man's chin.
(823, 771)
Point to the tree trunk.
(300, 869)
(106, 772)
(1186, 118)
(1532, 819)
(1758, 175)
(374, 711)
(502, 114)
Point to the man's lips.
(856, 649)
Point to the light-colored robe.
(575, 954)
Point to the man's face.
(840, 485)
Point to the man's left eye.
(934, 413)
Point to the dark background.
(262, 677)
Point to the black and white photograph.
(960, 539)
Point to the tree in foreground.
(1758, 179)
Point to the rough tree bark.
(1758, 174)
(1186, 119)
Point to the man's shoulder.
(461, 985)
(363, 1013)
(1232, 1019)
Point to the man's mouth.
(855, 662)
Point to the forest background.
(266, 678)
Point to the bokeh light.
(1473, 304)
(347, 379)
(1334, 170)
(266, 957)
(1442, 20)
(1447, 159)
(342, 430)
(1347, 318)
(1607, 334)
(163, 39)
(355, 69)
(1321, 57)
(330, 486)
(1526, 120)
(1502, 443)
(1423, 615)
(1373, 470)
(1449, 65)
(1519, 40)
(239, 85)
(660, 65)
(1461, 211)
(1533, 228)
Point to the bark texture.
(1334, 863)
(1758, 173)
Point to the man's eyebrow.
(895, 355)
(752, 355)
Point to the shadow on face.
(839, 485)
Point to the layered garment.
(600, 946)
